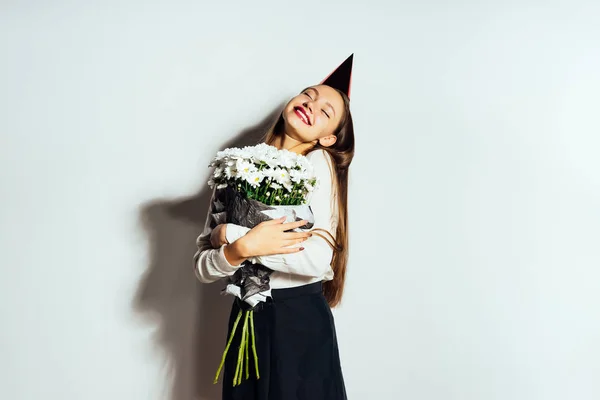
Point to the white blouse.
(310, 265)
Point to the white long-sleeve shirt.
(310, 265)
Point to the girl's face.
(314, 115)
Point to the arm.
(212, 264)
(315, 259)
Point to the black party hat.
(341, 77)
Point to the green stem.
(237, 378)
(237, 320)
(254, 344)
(247, 358)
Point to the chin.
(295, 127)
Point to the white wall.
(474, 200)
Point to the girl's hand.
(269, 237)
(218, 236)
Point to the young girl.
(294, 330)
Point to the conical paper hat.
(341, 77)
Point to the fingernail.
(301, 248)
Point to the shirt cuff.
(233, 232)
(223, 264)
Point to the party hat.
(341, 77)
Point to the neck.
(286, 142)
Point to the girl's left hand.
(218, 236)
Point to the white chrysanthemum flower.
(276, 185)
(296, 176)
(281, 175)
(255, 178)
(244, 168)
(269, 173)
(222, 186)
(246, 154)
(229, 172)
(284, 159)
(304, 163)
(263, 153)
(271, 151)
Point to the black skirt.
(296, 349)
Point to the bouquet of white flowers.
(255, 184)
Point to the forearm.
(235, 253)
(313, 261)
(212, 264)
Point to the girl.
(294, 330)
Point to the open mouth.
(301, 113)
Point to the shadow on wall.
(190, 317)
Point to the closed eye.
(306, 93)
(325, 112)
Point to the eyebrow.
(326, 103)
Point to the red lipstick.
(302, 114)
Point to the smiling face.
(314, 115)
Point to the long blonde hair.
(341, 153)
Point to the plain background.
(474, 193)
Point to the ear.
(328, 140)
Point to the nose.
(308, 105)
